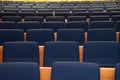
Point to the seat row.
(45, 13)
(64, 70)
(46, 17)
(105, 53)
(43, 35)
(55, 25)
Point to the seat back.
(75, 71)
(60, 51)
(21, 52)
(106, 53)
(19, 71)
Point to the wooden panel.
(1, 53)
(45, 73)
(107, 73)
(41, 55)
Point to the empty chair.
(11, 35)
(105, 34)
(77, 18)
(21, 52)
(75, 71)
(7, 25)
(11, 18)
(65, 14)
(102, 24)
(33, 18)
(71, 35)
(44, 14)
(62, 10)
(55, 18)
(117, 26)
(28, 25)
(19, 71)
(23, 14)
(40, 35)
(60, 51)
(114, 13)
(28, 10)
(105, 53)
(117, 71)
(53, 25)
(8, 14)
(14, 10)
(99, 13)
(80, 14)
(99, 18)
(115, 18)
(77, 25)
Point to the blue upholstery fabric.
(77, 24)
(101, 24)
(118, 26)
(75, 71)
(77, 18)
(106, 53)
(11, 35)
(60, 51)
(19, 71)
(55, 18)
(40, 35)
(101, 34)
(21, 52)
(117, 71)
(99, 18)
(71, 35)
(7, 25)
(11, 18)
(53, 25)
(28, 25)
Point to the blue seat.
(40, 35)
(115, 18)
(55, 25)
(117, 71)
(8, 25)
(71, 35)
(11, 35)
(21, 52)
(34, 18)
(102, 24)
(75, 71)
(60, 51)
(19, 71)
(28, 25)
(117, 26)
(105, 34)
(11, 18)
(99, 18)
(105, 53)
(77, 18)
(55, 18)
(77, 25)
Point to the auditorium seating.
(21, 52)
(118, 26)
(11, 35)
(60, 51)
(8, 25)
(53, 25)
(28, 25)
(117, 71)
(77, 25)
(105, 53)
(101, 34)
(40, 35)
(19, 71)
(74, 71)
(71, 35)
(101, 24)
